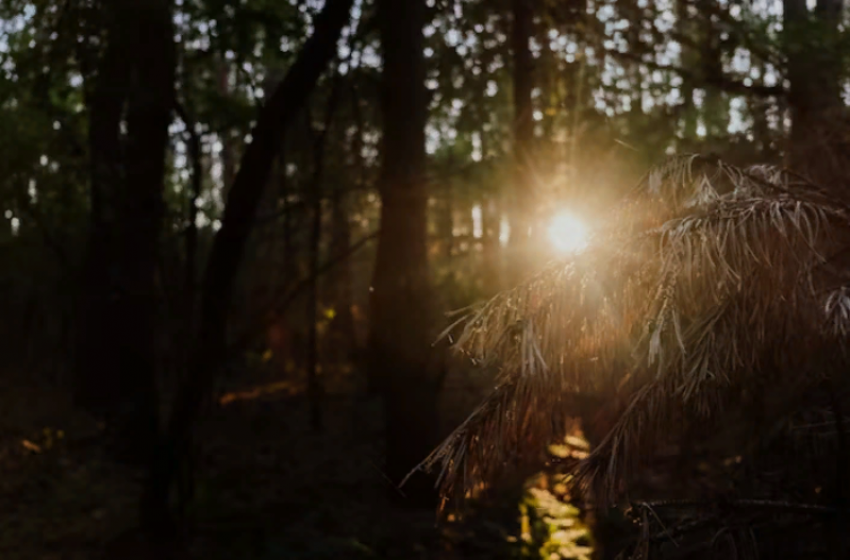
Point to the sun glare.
(567, 233)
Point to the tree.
(116, 369)
(814, 71)
(399, 346)
(523, 131)
(226, 254)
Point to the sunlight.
(567, 233)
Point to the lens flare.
(567, 233)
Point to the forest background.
(231, 232)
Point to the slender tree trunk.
(401, 297)
(228, 159)
(342, 324)
(149, 114)
(762, 133)
(445, 221)
(814, 71)
(715, 107)
(191, 274)
(523, 82)
(186, 484)
(277, 190)
(96, 386)
(689, 113)
(227, 254)
(491, 226)
(315, 387)
(491, 245)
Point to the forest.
(424, 279)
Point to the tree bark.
(228, 143)
(339, 283)
(401, 297)
(814, 71)
(523, 82)
(684, 25)
(491, 220)
(190, 281)
(95, 383)
(315, 387)
(117, 361)
(149, 114)
(227, 253)
(715, 106)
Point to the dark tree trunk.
(315, 387)
(149, 113)
(814, 72)
(339, 283)
(716, 109)
(190, 279)
(228, 159)
(117, 365)
(96, 383)
(523, 82)
(491, 222)
(226, 255)
(401, 298)
(762, 134)
(445, 221)
(491, 226)
(684, 26)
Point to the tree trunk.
(684, 26)
(814, 71)
(445, 222)
(96, 385)
(523, 80)
(117, 365)
(715, 109)
(339, 284)
(226, 255)
(149, 113)
(190, 279)
(315, 387)
(762, 134)
(228, 159)
(491, 224)
(401, 299)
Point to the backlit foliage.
(709, 281)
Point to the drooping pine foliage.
(708, 283)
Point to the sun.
(567, 233)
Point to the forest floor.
(268, 486)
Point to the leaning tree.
(707, 324)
